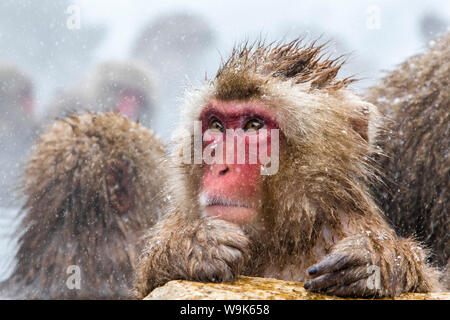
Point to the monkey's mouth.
(228, 204)
(228, 209)
(206, 201)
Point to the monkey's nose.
(219, 169)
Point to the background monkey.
(314, 220)
(127, 87)
(91, 187)
(416, 166)
(17, 128)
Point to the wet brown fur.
(415, 194)
(318, 204)
(68, 218)
(241, 76)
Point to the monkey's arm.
(200, 250)
(372, 261)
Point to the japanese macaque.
(92, 186)
(416, 167)
(17, 127)
(126, 87)
(16, 90)
(432, 25)
(174, 42)
(310, 219)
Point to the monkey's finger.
(338, 278)
(358, 288)
(328, 264)
(333, 263)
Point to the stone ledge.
(249, 288)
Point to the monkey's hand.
(348, 271)
(217, 252)
(377, 266)
(202, 250)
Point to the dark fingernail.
(312, 270)
(307, 285)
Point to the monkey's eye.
(253, 125)
(216, 125)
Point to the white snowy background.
(377, 34)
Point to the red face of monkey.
(130, 103)
(27, 101)
(232, 190)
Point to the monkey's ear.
(361, 125)
(366, 121)
(118, 187)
